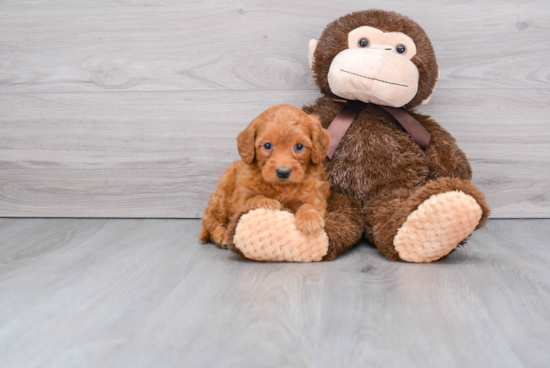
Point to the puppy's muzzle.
(283, 172)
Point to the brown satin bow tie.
(341, 123)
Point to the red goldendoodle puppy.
(282, 154)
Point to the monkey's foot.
(268, 235)
(438, 225)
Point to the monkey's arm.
(325, 108)
(445, 158)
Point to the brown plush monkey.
(414, 204)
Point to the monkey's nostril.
(283, 172)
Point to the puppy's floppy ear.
(246, 140)
(320, 140)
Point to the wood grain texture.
(144, 293)
(131, 109)
(131, 45)
(160, 154)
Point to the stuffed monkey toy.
(396, 176)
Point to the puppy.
(281, 167)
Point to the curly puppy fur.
(282, 152)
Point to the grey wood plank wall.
(131, 109)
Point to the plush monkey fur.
(379, 175)
(334, 39)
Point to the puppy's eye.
(299, 147)
(267, 146)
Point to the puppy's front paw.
(309, 222)
(268, 203)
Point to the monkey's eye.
(267, 146)
(363, 42)
(299, 147)
(400, 49)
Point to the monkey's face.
(375, 68)
(375, 56)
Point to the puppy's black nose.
(283, 172)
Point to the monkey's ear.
(320, 139)
(427, 100)
(312, 47)
(246, 142)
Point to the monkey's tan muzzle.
(372, 75)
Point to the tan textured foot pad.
(438, 225)
(267, 235)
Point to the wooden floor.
(145, 293)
